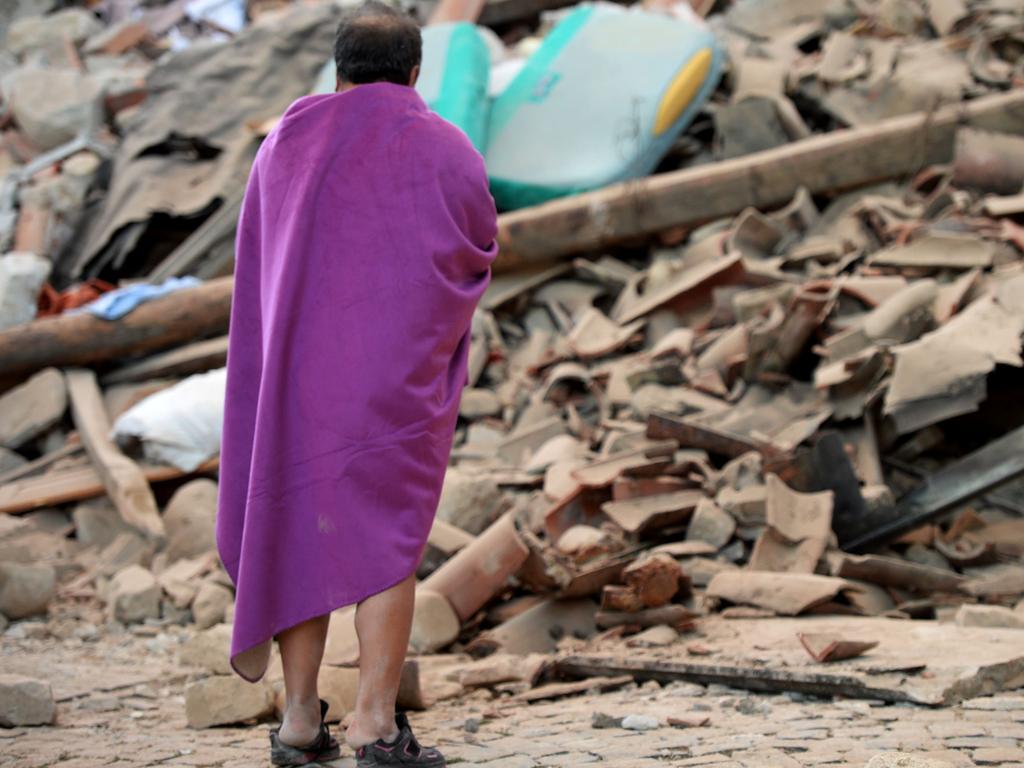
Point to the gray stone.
(129, 548)
(32, 543)
(470, 501)
(225, 700)
(209, 650)
(25, 701)
(9, 460)
(39, 31)
(170, 613)
(603, 720)
(21, 278)
(992, 616)
(478, 403)
(640, 723)
(50, 441)
(133, 595)
(53, 521)
(181, 580)
(73, 101)
(211, 603)
(11, 526)
(190, 519)
(32, 408)
(98, 523)
(709, 523)
(904, 760)
(26, 590)
(735, 552)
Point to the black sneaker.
(404, 750)
(321, 749)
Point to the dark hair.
(376, 43)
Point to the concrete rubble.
(24, 701)
(771, 438)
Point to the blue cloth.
(116, 304)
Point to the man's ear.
(337, 83)
(414, 76)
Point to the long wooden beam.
(83, 339)
(830, 162)
(492, 12)
(65, 486)
(126, 485)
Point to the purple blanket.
(364, 245)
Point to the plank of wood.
(491, 13)
(65, 486)
(84, 339)
(126, 485)
(974, 475)
(830, 162)
(192, 358)
(39, 464)
(446, 11)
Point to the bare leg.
(302, 650)
(383, 624)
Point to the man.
(364, 245)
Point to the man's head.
(377, 44)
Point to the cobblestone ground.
(122, 704)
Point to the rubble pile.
(735, 412)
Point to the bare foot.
(365, 731)
(301, 723)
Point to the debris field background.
(736, 479)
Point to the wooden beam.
(84, 339)
(748, 677)
(40, 464)
(124, 481)
(974, 475)
(490, 13)
(830, 162)
(447, 11)
(192, 358)
(66, 486)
